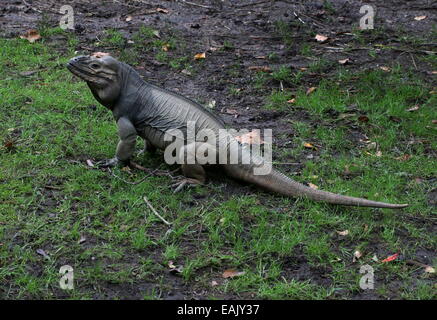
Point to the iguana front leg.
(126, 145)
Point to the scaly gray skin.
(140, 108)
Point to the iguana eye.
(94, 65)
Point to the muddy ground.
(247, 30)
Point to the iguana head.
(101, 72)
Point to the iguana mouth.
(82, 73)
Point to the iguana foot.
(109, 163)
(185, 182)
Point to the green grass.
(50, 199)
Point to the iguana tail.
(280, 183)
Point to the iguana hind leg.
(194, 173)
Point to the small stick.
(155, 212)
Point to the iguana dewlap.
(140, 108)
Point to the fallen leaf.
(312, 186)
(419, 18)
(386, 69)
(31, 35)
(90, 163)
(165, 47)
(414, 108)
(404, 157)
(9, 145)
(156, 33)
(161, 10)
(309, 146)
(321, 38)
(311, 90)
(214, 283)
(231, 273)
(43, 253)
(81, 240)
(128, 18)
(200, 56)
(232, 112)
(292, 100)
(363, 119)
(429, 269)
(252, 137)
(343, 233)
(390, 258)
(433, 72)
(174, 268)
(211, 104)
(260, 68)
(375, 258)
(343, 61)
(260, 57)
(99, 54)
(186, 72)
(357, 255)
(378, 153)
(434, 121)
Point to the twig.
(196, 4)
(155, 212)
(253, 3)
(414, 62)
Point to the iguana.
(143, 109)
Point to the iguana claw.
(108, 163)
(186, 182)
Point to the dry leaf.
(128, 18)
(343, 233)
(363, 119)
(260, 68)
(309, 146)
(231, 273)
(186, 72)
(312, 186)
(90, 163)
(292, 100)
(415, 108)
(434, 121)
(429, 269)
(156, 33)
(375, 258)
(200, 56)
(252, 137)
(99, 54)
(162, 10)
(321, 38)
(232, 112)
(81, 240)
(174, 268)
(311, 90)
(43, 253)
(343, 61)
(165, 47)
(357, 255)
(390, 258)
(214, 283)
(386, 69)
(419, 18)
(378, 153)
(405, 157)
(31, 35)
